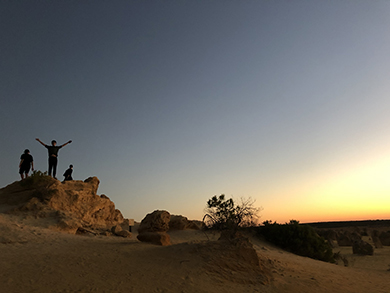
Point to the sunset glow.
(170, 103)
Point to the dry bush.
(222, 213)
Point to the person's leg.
(26, 170)
(21, 171)
(54, 167)
(50, 166)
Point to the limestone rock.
(330, 236)
(84, 231)
(347, 238)
(344, 240)
(158, 238)
(119, 231)
(157, 221)
(363, 248)
(69, 225)
(153, 228)
(125, 224)
(333, 243)
(71, 203)
(182, 223)
(123, 233)
(375, 239)
(178, 223)
(81, 199)
(116, 229)
(385, 238)
(377, 242)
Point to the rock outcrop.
(182, 223)
(153, 228)
(121, 230)
(330, 236)
(347, 239)
(71, 204)
(344, 240)
(157, 221)
(385, 238)
(377, 242)
(375, 239)
(363, 248)
(158, 238)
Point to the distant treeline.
(342, 224)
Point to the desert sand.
(35, 257)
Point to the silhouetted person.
(68, 173)
(26, 162)
(53, 154)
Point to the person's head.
(53, 142)
(26, 151)
(71, 166)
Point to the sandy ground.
(36, 259)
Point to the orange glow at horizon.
(358, 193)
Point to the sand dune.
(36, 255)
(36, 259)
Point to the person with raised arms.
(53, 155)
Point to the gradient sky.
(171, 102)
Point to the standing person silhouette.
(53, 154)
(26, 162)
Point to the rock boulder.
(347, 239)
(158, 238)
(385, 238)
(182, 223)
(153, 228)
(72, 204)
(157, 221)
(363, 248)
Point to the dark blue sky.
(171, 102)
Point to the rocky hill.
(71, 206)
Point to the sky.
(169, 103)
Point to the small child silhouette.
(68, 173)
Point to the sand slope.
(36, 259)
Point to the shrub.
(298, 239)
(37, 178)
(224, 213)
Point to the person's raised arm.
(66, 143)
(37, 139)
